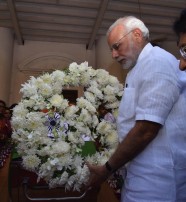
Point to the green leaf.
(88, 149)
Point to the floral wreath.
(50, 134)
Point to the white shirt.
(152, 94)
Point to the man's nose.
(182, 64)
(115, 54)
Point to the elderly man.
(151, 126)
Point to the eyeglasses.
(183, 52)
(116, 45)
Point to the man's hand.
(98, 174)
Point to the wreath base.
(24, 183)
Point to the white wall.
(6, 50)
(33, 58)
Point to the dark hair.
(12, 106)
(3, 103)
(179, 25)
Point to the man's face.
(122, 46)
(182, 47)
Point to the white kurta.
(158, 174)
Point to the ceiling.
(84, 21)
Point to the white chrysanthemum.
(83, 103)
(102, 160)
(110, 98)
(45, 170)
(28, 90)
(111, 138)
(109, 90)
(54, 161)
(90, 97)
(54, 183)
(113, 105)
(78, 161)
(56, 100)
(71, 180)
(35, 120)
(18, 122)
(82, 175)
(102, 76)
(82, 128)
(57, 87)
(31, 162)
(46, 78)
(44, 151)
(58, 76)
(85, 79)
(20, 110)
(70, 112)
(103, 127)
(95, 90)
(64, 178)
(113, 81)
(85, 117)
(28, 103)
(60, 148)
(83, 66)
(45, 89)
(66, 160)
(73, 66)
(95, 120)
(72, 137)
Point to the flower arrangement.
(50, 134)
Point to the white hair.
(131, 23)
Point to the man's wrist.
(109, 167)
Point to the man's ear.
(138, 34)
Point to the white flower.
(111, 138)
(20, 110)
(90, 97)
(71, 137)
(56, 100)
(46, 78)
(85, 117)
(45, 89)
(31, 162)
(95, 90)
(70, 112)
(28, 90)
(103, 127)
(64, 178)
(60, 148)
(34, 120)
(50, 135)
(54, 161)
(58, 76)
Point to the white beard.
(128, 64)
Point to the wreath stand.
(23, 187)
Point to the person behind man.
(180, 29)
(151, 126)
